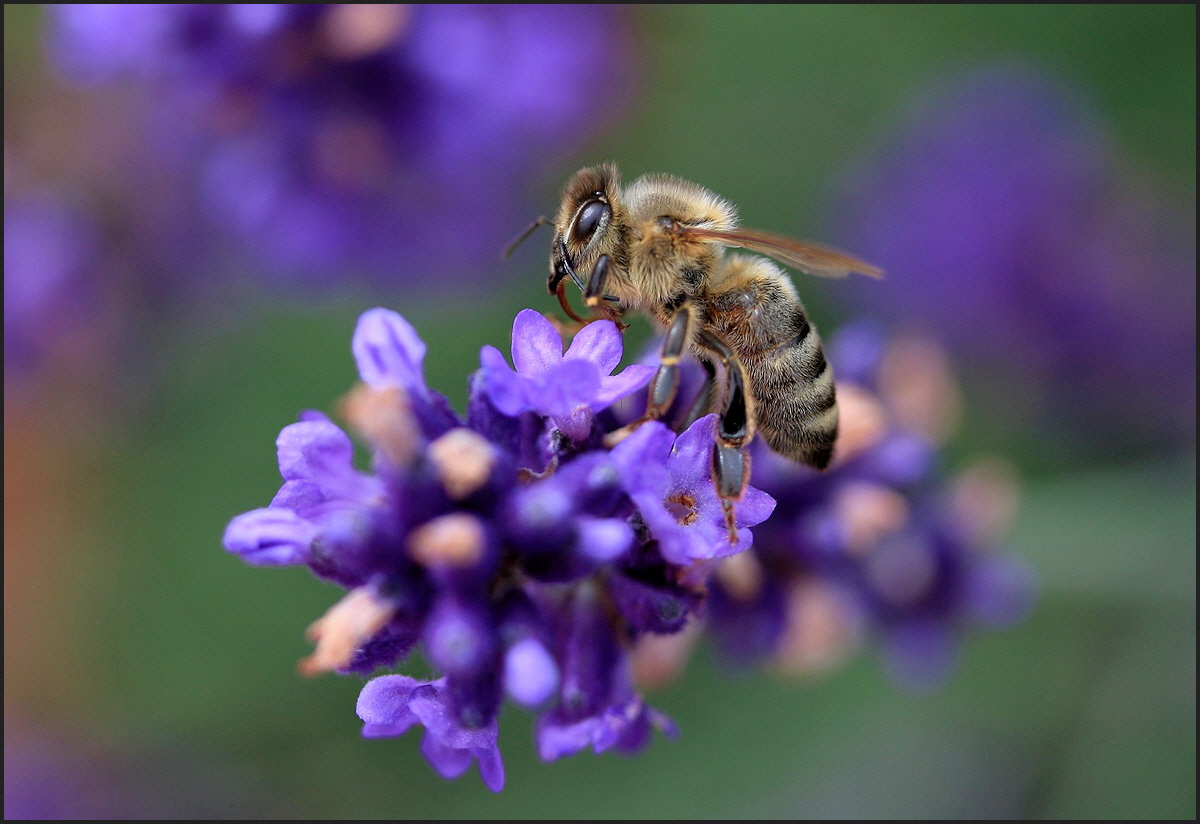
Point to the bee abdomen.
(795, 403)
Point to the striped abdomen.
(795, 405)
(763, 321)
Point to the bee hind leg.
(731, 460)
(703, 402)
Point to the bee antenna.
(526, 232)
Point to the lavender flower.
(523, 556)
(1002, 220)
(351, 140)
(527, 558)
(568, 387)
(668, 478)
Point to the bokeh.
(200, 202)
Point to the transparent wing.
(802, 255)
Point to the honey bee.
(658, 246)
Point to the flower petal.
(447, 761)
(315, 450)
(502, 385)
(691, 456)
(628, 381)
(754, 507)
(388, 351)
(598, 342)
(536, 344)
(430, 707)
(641, 453)
(270, 537)
(383, 705)
(557, 740)
(565, 388)
(491, 767)
(301, 496)
(530, 673)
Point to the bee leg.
(702, 405)
(731, 460)
(665, 383)
(594, 294)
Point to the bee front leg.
(595, 295)
(735, 428)
(665, 383)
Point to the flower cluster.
(523, 555)
(329, 141)
(530, 559)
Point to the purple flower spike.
(391, 704)
(562, 581)
(569, 388)
(53, 264)
(324, 142)
(990, 204)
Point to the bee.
(658, 246)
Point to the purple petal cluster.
(532, 560)
(390, 704)
(1007, 221)
(567, 387)
(347, 140)
(518, 552)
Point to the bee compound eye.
(590, 216)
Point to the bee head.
(584, 217)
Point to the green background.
(166, 668)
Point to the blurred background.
(200, 201)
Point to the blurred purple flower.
(878, 545)
(351, 141)
(51, 258)
(1007, 230)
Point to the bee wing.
(802, 255)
